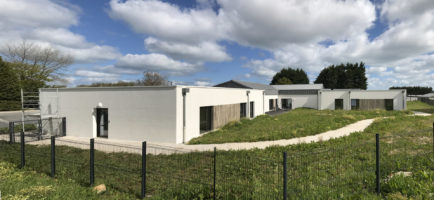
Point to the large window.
(286, 103)
(271, 104)
(205, 119)
(355, 104)
(252, 109)
(339, 104)
(243, 110)
(388, 103)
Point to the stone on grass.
(100, 189)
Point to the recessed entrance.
(102, 122)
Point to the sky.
(206, 42)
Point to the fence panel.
(328, 171)
(118, 167)
(72, 160)
(176, 173)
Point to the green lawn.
(296, 123)
(341, 168)
(420, 106)
(28, 184)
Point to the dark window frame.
(205, 110)
(339, 104)
(388, 104)
(357, 104)
(243, 110)
(252, 109)
(271, 104)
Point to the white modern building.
(176, 114)
(173, 114)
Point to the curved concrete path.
(166, 148)
(341, 132)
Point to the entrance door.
(339, 104)
(205, 119)
(102, 122)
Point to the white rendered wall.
(135, 113)
(327, 97)
(208, 96)
(398, 96)
(301, 101)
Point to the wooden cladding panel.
(223, 114)
(370, 104)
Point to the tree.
(415, 90)
(343, 76)
(10, 88)
(295, 76)
(153, 79)
(35, 64)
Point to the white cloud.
(167, 21)
(89, 73)
(203, 51)
(156, 62)
(46, 23)
(35, 13)
(393, 10)
(202, 83)
(273, 24)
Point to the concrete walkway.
(110, 145)
(416, 113)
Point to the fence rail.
(289, 174)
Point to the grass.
(420, 106)
(18, 128)
(28, 184)
(296, 123)
(341, 168)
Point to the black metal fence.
(37, 129)
(323, 172)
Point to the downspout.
(349, 99)
(184, 94)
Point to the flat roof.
(299, 87)
(139, 88)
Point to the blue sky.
(205, 42)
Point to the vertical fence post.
(40, 129)
(143, 192)
(433, 138)
(23, 156)
(91, 162)
(63, 126)
(215, 173)
(11, 132)
(53, 156)
(285, 176)
(377, 162)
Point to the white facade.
(172, 114)
(142, 113)
(327, 97)
(300, 101)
